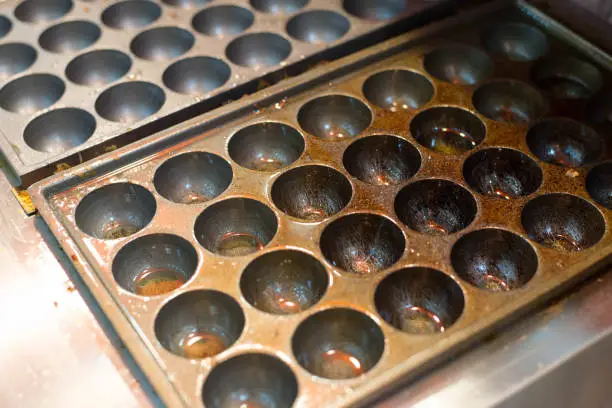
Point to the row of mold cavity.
(361, 243)
(395, 90)
(138, 13)
(336, 343)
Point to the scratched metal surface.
(387, 292)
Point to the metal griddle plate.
(81, 76)
(322, 240)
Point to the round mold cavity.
(71, 36)
(318, 26)
(131, 14)
(515, 41)
(338, 344)
(236, 227)
(362, 244)
(192, 178)
(98, 68)
(41, 11)
(250, 380)
(494, 260)
(266, 146)
(15, 58)
(382, 160)
(186, 4)
(284, 282)
(566, 77)
(5, 26)
(59, 130)
(435, 207)
(563, 222)
(459, 64)
(565, 142)
(199, 324)
(599, 184)
(130, 102)
(155, 264)
(448, 130)
(222, 21)
(378, 10)
(311, 193)
(502, 173)
(258, 50)
(509, 101)
(398, 90)
(196, 75)
(115, 211)
(31, 93)
(162, 43)
(419, 301)
(334, 117)
(278, 6)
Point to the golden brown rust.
(59, 167)
(25, 201)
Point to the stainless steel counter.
(57, 349)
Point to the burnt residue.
(362, 243)
(435, 207)
(382, 160)
(235, 227)
(311, 193)
(419, 301)
(565, 142)
(494, 259)
(502, 173)
(563, 222)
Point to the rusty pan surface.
(320, 241)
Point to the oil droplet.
(116, 230)
(502, 194)
(363, 265)
(238, 244)
(417, 319)
(448, 140)
(397, 106)
(194, 198)
(267, 164)
(562, 242)
(432, 227)
(384, 180)
(338, 364)
(288, 306)
(202, 345)
(337, 132)
(249, 399)
(157, 281)
(312, 213)
(495, 284)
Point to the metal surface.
(57, 347)
(352, 343)
(75, 74)
(552, 358)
